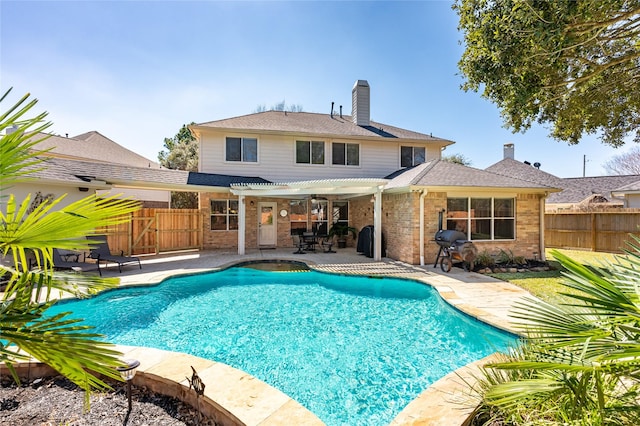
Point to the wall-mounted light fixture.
(251, 203)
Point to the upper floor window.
(242, 149)
(411, 156)
(224, 215)
(347, 154)
(482, 218)
(309, 152)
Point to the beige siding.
(21, 190)
(276, 158)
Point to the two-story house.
(334, 168)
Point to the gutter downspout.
(543, 256)
(377, 226)
(423, 194)
(241, 224)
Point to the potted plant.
(342, 231)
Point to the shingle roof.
(574, 190)
(438, 173)
(316, 124)
(74, 172)
(634, 186)
(519, 170)
(95, 147)
(577, 190)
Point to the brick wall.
(216, 239)
(401, 227)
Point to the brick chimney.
(509, 151)
(360, 103)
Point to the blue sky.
(137, 71)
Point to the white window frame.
(227, 215)
(311, 145)
(346, 159)
(242, 150)
(413, 154)
(492, 218)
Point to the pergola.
(345, 188)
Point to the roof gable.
(92, 146)
(438, 173)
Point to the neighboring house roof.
(520, 170)
(438, 173)
(92, 146)
(303, 123)
(574, 190)
(93, 174)
(577, 190)
(632, 188)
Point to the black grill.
(454, 246)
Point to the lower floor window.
(317, 215)
(224, 215)
(482, 218)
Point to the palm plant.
(580, 363)
(30, 234)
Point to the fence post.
(156, 214)
(594, 231)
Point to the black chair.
(59, 262)
(298, 242)
(327, 243)
(310, 241)
(102, 253)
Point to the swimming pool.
(353, 350)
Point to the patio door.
(267, 224)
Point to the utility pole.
(584, 165)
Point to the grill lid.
(445, 236)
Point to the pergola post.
(241, 224)
(377, 225)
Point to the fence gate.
(152, 231)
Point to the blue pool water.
(353, 350)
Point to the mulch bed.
(56, 401)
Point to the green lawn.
(547, 285)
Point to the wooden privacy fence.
(157, 230)
(605, 231)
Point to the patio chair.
(60, 262)
(102, 253)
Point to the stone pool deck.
(233, 397)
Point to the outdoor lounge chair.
(102, 253)
(59, 262)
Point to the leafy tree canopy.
(181, 153)
(572, 64)
(457, 158)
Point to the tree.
(457, 158)
(28, 236)
(181, 153)
(579, 363)
(572, 64)
(624, 164)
